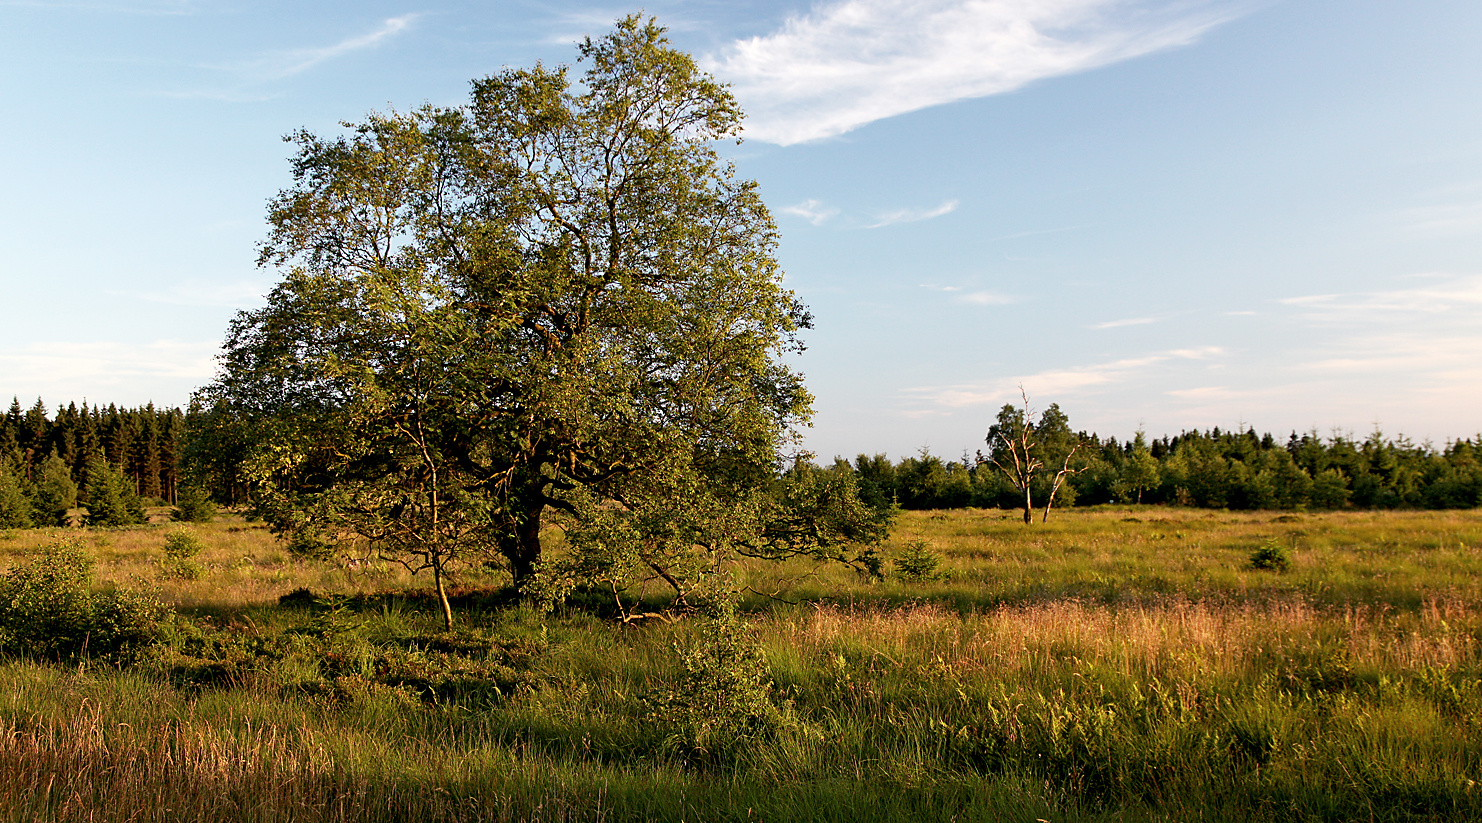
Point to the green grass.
(1113, 664)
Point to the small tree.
(15, 506)
(56, 493)
(1141, 471)
(111, 500)
(1018, 447)
(193, 505)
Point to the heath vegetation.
(1116, 663)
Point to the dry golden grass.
(1114, 664)
(242, 564)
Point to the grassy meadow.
(1121, 663)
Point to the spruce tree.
(111, 500)
(56, 494)
(15, 506)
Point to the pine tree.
(111, 497)
(56, 494)
(15, 506)
(10, 446)
(33, 430)
(147, 453)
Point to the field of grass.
(1112, 664)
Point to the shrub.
(49, 612)
(918, 563)
(181, 548)
(1270, 556)
(194, 505)
(725, 696)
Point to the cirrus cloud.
(852, 62)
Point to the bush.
(194, 506)
(181, 548)
(1270, 556)
(918, 563)
(725, 696)
(49, 612)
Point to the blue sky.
(1159, 214)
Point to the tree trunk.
(442, 592)
(522, 549)
(1028, 506)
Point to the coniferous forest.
(52, 462)
(106, 459)
(1207, 469)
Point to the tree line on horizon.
(50, 463)
(1214, 468)
(109, 460)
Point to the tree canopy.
(555, 298)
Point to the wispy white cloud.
(913, 215)
(1445, 295)
(1057, 382)
(1450, 210)
(1408, 352)
(94, 369)
(1205, 393)
(988, 298)
(1130, 321)
(814, 211)
(1444, 220)
(851, 62)
(1410, 349)
(278, 65)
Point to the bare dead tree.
(1065, 471)
(1020, 466)
(1017, 459)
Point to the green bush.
(48, 611)
(194, 505)
(1270, 556)
(725, 697)
(918, 563)
(181, 548)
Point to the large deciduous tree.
(556, 297)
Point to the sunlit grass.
(1113, 664)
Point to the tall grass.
(1116, 665)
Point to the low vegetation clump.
(181, 548)
(50, 611)
(1270, 556)
(917, 563)
(1121, 664)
